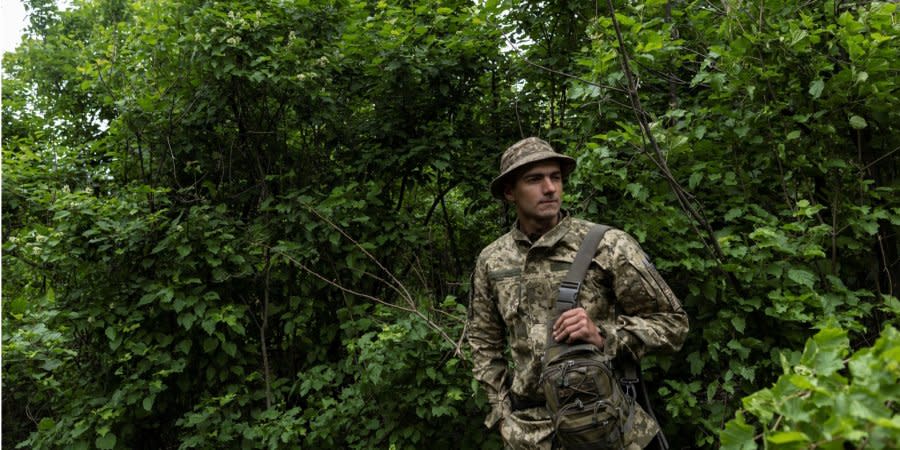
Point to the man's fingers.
(574, 325)
(565, 321)
(561, 330)
(561, 323)
(569, 317)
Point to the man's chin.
(548, 213)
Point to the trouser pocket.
(527, 429)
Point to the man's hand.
(575, 325)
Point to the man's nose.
(548, 185)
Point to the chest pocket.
(541, 288)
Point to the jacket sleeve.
(487, 337)
(650, 317)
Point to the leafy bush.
(250, 224)
(825, 399)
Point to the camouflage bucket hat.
(524, 152)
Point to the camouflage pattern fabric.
(515, 286)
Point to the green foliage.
(250, 224)
(172, 168)
(766, 115)
(826, 400)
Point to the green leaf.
(761, 404)
(230, 348)
(695, 179)
(738, 323)
(148, 403)
(697, 363)
(891, 304)
(804, 382)
(738, 435)
(147, 298)
(184, 346)
(107, 441)
(785, 437)
(167, 294)
(734, 213)
(637, 190)
(802, 277)
(46, 424)
(858, 122)
(699, 132)
(210, 344)
(816, 87)
(824, 353)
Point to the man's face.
(537, 192)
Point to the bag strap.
(571, 285)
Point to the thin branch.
(249, 307)
(887, 268)
(263, 328)
(607, 99)
(411, 310)
(567, 75)
(687, 206)
(879, 159)
(518, 118)
(339, 286)
(172, 153)
(462, 336)
(557, 72)
(407, 295)
(437, 201)
(381, 280)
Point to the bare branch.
(407, 295)
(879, 159)
(551, 70)
(411, 309)
(681, 195)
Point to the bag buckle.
(628, 385)
(568, 292)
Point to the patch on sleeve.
(661, 284)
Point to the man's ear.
(508, 192)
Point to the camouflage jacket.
(515, 286)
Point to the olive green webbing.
(571, 285)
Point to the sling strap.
(571, 285)
(568, 294)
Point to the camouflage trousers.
(532, 429)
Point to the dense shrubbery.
(250, 224)
(826, 400)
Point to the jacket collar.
(550, 238)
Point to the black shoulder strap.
(568, 289)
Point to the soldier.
(624, 304)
